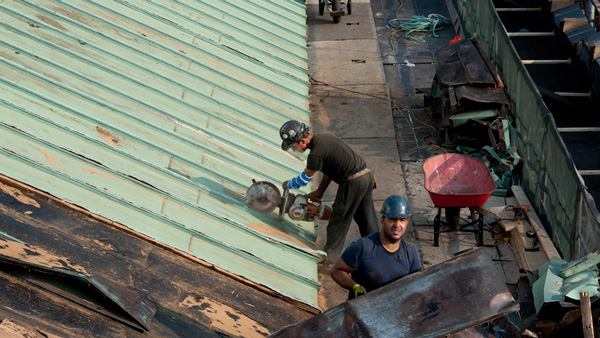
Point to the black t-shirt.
(333, 157)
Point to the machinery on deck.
(265, 197)
(336, 8)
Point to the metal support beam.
(588, 172)
(578, 130)
(569, 94)
(534, 9)
(530, 34)
(546, 62)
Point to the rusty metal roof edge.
(313, 308)
(306, 306)
(147, 310)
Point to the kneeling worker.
(382, 257)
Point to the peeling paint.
(107, 136)
(52, 22)
(9, 329)
(37, 256)
(49, 158)
(18, 195)
(225, 318)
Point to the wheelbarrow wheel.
(321, 6)
(335, 6)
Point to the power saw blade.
(263, 196)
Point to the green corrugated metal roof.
(157, 115)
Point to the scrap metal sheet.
(445, 299)
(461, 63)
(480, 94)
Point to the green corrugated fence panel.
(549, 177)
(158, 114)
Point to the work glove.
(359, 290)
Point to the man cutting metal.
(339, 163)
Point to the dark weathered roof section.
(445, 299)
(157, 115)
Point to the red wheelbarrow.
(456, 181)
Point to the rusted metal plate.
(56, 274)
(480, 94)
(461, 63)
(445, 299)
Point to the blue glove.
(299, 181)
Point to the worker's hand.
(285, 185)
(315, 194)
(359, 290)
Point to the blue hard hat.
(395, 206)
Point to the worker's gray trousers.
(354, 199)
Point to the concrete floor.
(374, 106)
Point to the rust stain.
(183, 94)
(38, 256)
(164, 204)
(107, 136)
(18, 195)
(225, 318)
(9, 329)
(49, 158)
(106, 246)
(52, 22)
(272, 232)
(98, 172)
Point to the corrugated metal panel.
(158, 114)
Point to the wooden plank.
(498, 214)
(536, 224)
(518, 251)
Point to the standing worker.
(338, 163)
(380, 258)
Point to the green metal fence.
(550, 179)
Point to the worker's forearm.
(343, 279)
(324, 184)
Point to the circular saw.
(265, 197)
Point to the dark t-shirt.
(333, 157)
(378, 267)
